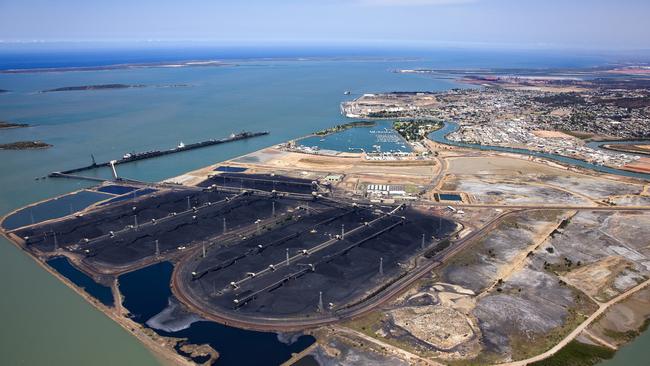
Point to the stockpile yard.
(263, 182)
(321, 262)
(134, 224)
(257, 246)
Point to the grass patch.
(577, 354)
(371, 323)
(578, 134)
(627, 336)
(622, 337)
(523, 347)
(484, 358)
(367, 324)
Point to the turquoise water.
(449, 197)
(632, 354)
(43, 322)
(380, 137)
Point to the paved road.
(536, 206)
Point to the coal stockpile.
(263, 182)
(128, 232)
(115, 217)
(340, 254)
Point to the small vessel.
(347, 92)
(181, 145)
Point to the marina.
(378, 138)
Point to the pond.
(96, 290)
(147, 293)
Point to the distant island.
(110, 86)
(4, 91)
(7, 125)
(192, 63)
(25, 145)
(93, 87)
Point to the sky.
(584, 24)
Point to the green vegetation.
(524, 347)
(438, 248)
(343, 127)
(371, 323)
(623, 337)
(577, 354)
(561, 99)
(578, 134)
(486, 357)
(386, 114)
(627, 336)
(416, 130)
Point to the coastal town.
(554, 122)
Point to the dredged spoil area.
(147, 293)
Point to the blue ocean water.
(288, 92)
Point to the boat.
(347, 92)
(180, 145)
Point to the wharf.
(128, 158)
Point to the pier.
(131, 157)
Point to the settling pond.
(147, 293)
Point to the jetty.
(136, 156)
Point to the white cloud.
(413, 2)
